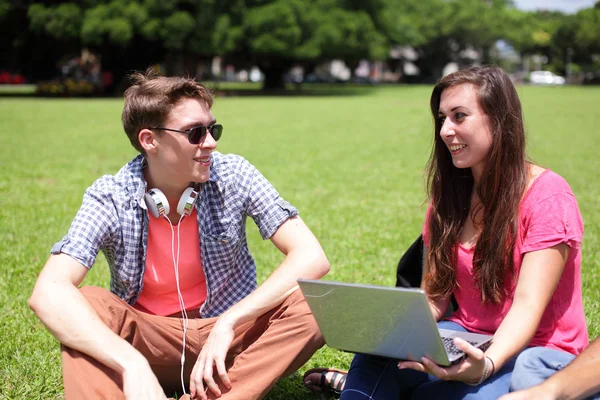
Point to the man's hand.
(139, 382)
(213, 353)
(469, 370)
(304, 258)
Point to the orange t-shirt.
(159, 293)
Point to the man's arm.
(579, 380)
(57, 302)
(304, 258)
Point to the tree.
(533, 32)
(587, 39)
(62, 22)
(283, 32)
(587, 34)
(276, 34)
(22, 50)
(127, 34)
(447, 27)
(5, 7)
(273, 34)
(558, 37)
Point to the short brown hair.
(150, 98)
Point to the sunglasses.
(197, 133)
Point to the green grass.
(353, 165)
(22, 89)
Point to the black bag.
(409, 272)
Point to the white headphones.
(158, 205)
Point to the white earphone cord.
(184, 315)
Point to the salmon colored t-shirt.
(159, 293)
(548, 216)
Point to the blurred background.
(86, 47)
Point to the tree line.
(277, 34)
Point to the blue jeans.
(372, 377)
(537, 364)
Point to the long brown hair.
(500, 189)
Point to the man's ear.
(147, 140)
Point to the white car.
(545, 78)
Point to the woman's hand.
(470, 370)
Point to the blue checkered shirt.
(113, 219)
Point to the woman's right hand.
(470, 370)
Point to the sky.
(567, 6)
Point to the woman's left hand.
(470, 370)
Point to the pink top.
(159, 293)
(549, 215)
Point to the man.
(567, 377)
(171, 224)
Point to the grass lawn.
(17, 89)
(353, 165)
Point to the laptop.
(383, 321)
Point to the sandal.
(334, 386)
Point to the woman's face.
(466, 129)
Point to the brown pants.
(263, 351)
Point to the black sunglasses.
(197, 133)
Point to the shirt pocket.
(223, 247)
(222, 224)
(229, 237)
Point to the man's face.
(178, 159)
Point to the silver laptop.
(384, 321)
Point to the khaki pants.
(263, 351)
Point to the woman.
(502, 236)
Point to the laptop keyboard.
(451, 347)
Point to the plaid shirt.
(113, 219)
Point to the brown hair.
(500, 190)
(150, 98)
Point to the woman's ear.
(147, 140)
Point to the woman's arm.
(540, 273)
(438, 306)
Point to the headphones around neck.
(158, 205)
